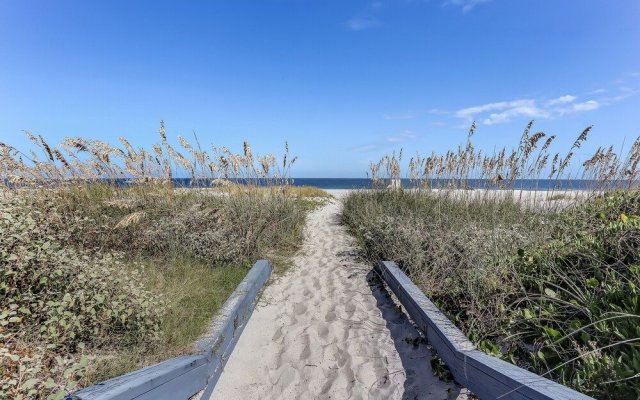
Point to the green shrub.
(556, 292)
(582, 306)
(64, 299)
(29, 372)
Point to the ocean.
(364, 183)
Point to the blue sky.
(343, 81)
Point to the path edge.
(484, 375)
(184, 376)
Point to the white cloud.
(623, 91)
(366, 19)
(625, 88)
(386, 142)
(471, 112)
(585, 106)
(620, 97)
(562, 100)
(598, 91)
(529, 111)
(505, 111)
(467, 5)
(401, 137)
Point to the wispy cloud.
(524, 106)
(438, 111)
(624, 88)
(363, 22)
(414, 114)
(567, 98)
(585, 106)
(623, 95)
(505, 111)
(406, 115)
(387, 141)
(366, 19)
(467, 5)
(401, 137)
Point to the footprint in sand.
(331, 316)
(326, 333)
(299, 308)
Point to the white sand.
(321, 331)
(539, 199)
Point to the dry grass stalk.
(80, 160)
(506, 167)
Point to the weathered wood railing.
(184, 376)
(486, 376)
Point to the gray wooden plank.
(420, 308)
(136, 383)
(183, 387)
(226, 334)
(486, 376)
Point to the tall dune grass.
(547, 280)
(106, 266)
(532, 159)
(79, 160)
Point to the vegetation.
(545, 281)
(64, 299)
(106, 267)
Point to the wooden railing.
(486, 376)
(184, 376)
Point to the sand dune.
(323, 330)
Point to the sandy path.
(322, 331)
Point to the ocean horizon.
(366, 183)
